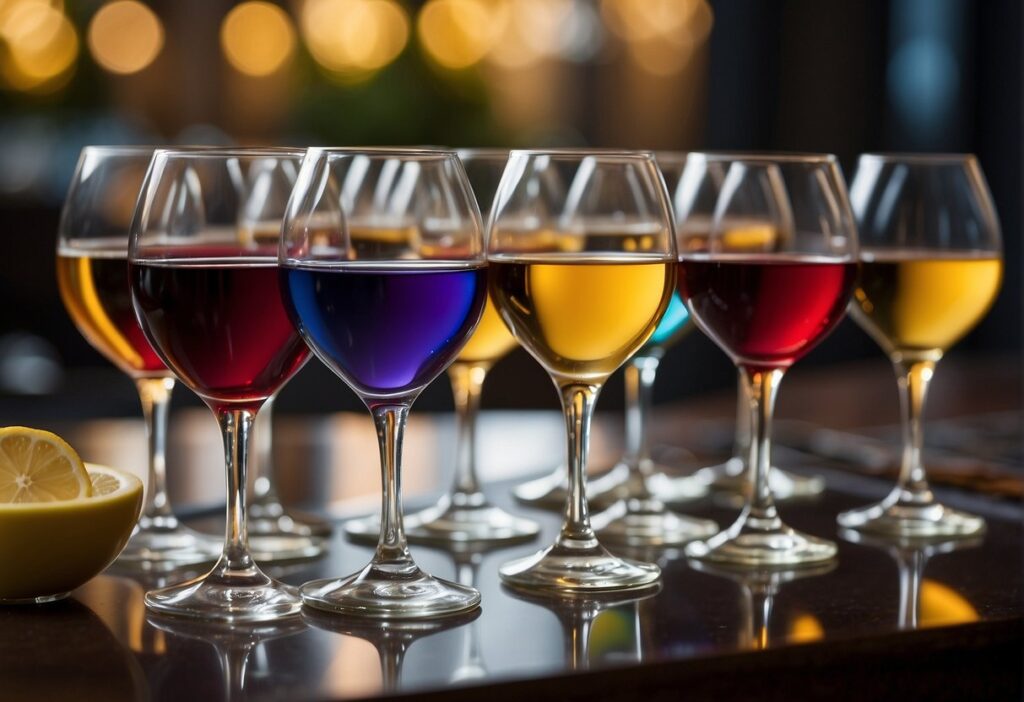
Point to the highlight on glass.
(931, 267)
(92, 275)
(582, 252)
(384, 274)
(767, 282)
(694, 200)
(208, 299)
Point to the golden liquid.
(490, 341)
(917, 304)
(582, 318)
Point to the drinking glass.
(931, 266)
(581, 275)
(92, 274)
(768, 281)
(464, 514)
(694, 199)
(209, 302)
(384, 274)
(275, 534)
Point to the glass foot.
(548, 492)
(283, 548)
(775, 545)
(586, 567)
(153, 548)
(271, 519)
(551, 491)
(894, 517)
(731, 476)
(449, 522)
(382, 591)
(639, 523)
(246, 595)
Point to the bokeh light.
(458, 33)
(354, 38)
(531, 30)
(41, 45)
(660, 35)
(258, 38)
(125, 36)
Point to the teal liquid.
(672, 323)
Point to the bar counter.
(885, 621)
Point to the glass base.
(400, 591)
(550, 491)
(269, 518)
(41, 599)
(731, 476)
(228, 596)
(895, 517)
(774, 545)
(586, 567)
(453, 522)
(639, 523)
(165, 548)
(266, 548)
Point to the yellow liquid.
(582, 318)
(490, 341)
(918, 304)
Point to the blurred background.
(843, 76)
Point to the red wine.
(220, 325)
(766, 312)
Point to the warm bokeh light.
(661, 35)
(530, 30)
(354, 38)
(258, 38)
(941, 605)
(805, 628)
(459, 33)
(41, 45)
(125, 36)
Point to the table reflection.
(922, 602)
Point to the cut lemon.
(38, 466)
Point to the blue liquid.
(387, 332)
(672, 324)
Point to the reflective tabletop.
(877, 600)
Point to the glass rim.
(410, 152)
(227, 151)
(583, 152)
(116, 149)
(484, 151)
(809, 157)
(911, 157)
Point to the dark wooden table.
(838, 632)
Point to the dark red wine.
(220, 325)
(766, 312)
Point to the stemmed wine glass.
(767, 282)
(931, 266)
(386, 297)
(694, 199)
(581, 275)
(92, 274)
(464, 515)
(210, 304)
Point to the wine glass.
(464, 514)
(92, 274)
(581, 275)
(931, 266)
(767, 282)
(384, 274)
(209, 303)
(694, 199)
(275, 534)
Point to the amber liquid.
(917, 304)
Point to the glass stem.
(911, 566)
(155, 396)
(913, 379)
(578, 639)
(467, 384)
(263, 492)
(760, 513)
(640, 373)
(392, 548)
(236, 426)
(578, 402)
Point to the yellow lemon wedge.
(39, 466)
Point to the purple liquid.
(387, 332)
